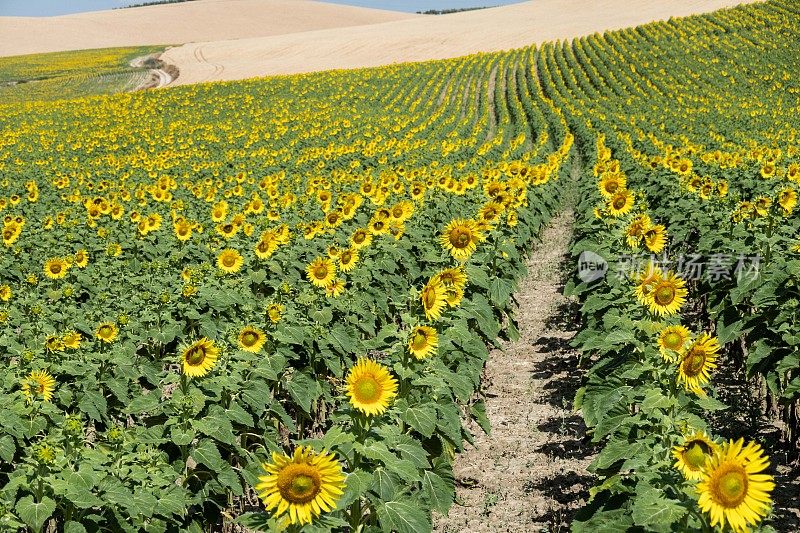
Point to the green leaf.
(438, 492)
(207, 453)
(7, 448)
(422, 418)
(74, 527)
(403, 517)
(478, 411)
(357, 483)
(35, 514)
(655, 512)
(304, 390)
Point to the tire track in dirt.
(529, 474)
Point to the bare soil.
(529, 474)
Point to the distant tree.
(453, 10)
(153, 3)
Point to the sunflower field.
(280, 289)
(270, 302)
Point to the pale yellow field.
(236, 39)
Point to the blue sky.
(43, 8)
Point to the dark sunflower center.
(619, 202)
(378, 225)
(55, 268)
(250, 338)
(693, 362)
(195, 356)
(345, 257)
(673, 340)
(320, 272)
(695, 454)
(612, 186)
(429, 298)
(367, 389)
(299, 483)
(731, 487)
(229, 260)
(420, 340)
(106, 331)
(359, 237)
(460, 238)
(664, 295)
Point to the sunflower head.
(691, 455)
(229, 261)
(423, 341)
(371, 387)
(321, 272)
(434, 298)
(733, 489)
(697, 363)
(198, 358)
(56, 268)
(303, 485)
(251, 339)
(460, 238)
(671, 341)
(621, 203)
(667, 295)
(107, 332)
(38, 384)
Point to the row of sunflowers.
(272, 294)
(689, 218)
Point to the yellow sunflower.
(460, 238)
(733, 488)
(251, 339)
(199, 357)
(274, 312)
(39, 384)
(106, 332)
(56, 268)
(423, 341)
(610, 183)
(321, 272)
(305, 485)
(230, 261)
(620, 203)
(361, 238)
(335, 288)
(655, 238)
(348, 259)
(453, 277)
(667, 295)
(787, 199)
(72, 340)
(371, 387)
(646, 280)
(691, 455)
(671, 341)
(5, 293)
(434, 298)
(81, 258)
(636, 230)
(696, 364)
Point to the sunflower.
(423, 341)
(460, 238)
(106, 332)
(434, 298)
(5, 293)
(56, 268)
(371, 387)
(306, 484)
(453, 277)
(620, 203)
(646, 280)
(335, 288)
(655, 239)
(251, 339)
(610, 183)
(636, 230)
(274, 312)
(81, 258)
(667, 295)
(697, 363)
(671, 341)
(348, 259)
(733, 489)
(361, 238)
(787, 199)
(691, 455)
(39, 383)
(230, 261)
(199, 357)
(454, 295)
(321, 272)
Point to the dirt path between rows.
(161, 76)
(529, 474)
